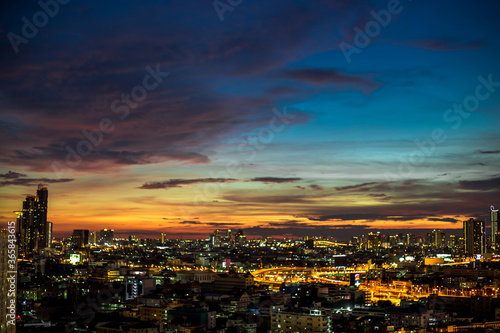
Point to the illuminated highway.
(279, 275)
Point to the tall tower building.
(494, 227)
(80, 238)
(42, 196)
(437, 238)
(475, 237)
(106, 237)
(34, 233)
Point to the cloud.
(444, 219)
(356, 188)
(369, 217)
(268, 180)
(268, 199)
(442, 44)
(480, 185)
(330, 77)
(12, 175)
(340, 232)
(488, 151)
(183, 182)
(190, 222)
(33, 181)
(315, 187)
(377, 195)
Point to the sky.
(280, 118)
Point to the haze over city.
(283, 118)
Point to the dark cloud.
(356, 188)
(341, 232)
(443, 44)
(444, 219)
(480, 185)
(12, 175)
(377, 195)
(182, 182)
(33, 181)
(269, 199)
(315, 187)
(333, 77)
(488, 151)
(222, 224)
(369, 217)
(269, 180)
(190, 222)
(289, 223)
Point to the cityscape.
(92, 281)
(237, 166)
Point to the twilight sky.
(315, 117)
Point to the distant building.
(153, 313)
(193, 316)
(49, 233)
(374, 240)
(189, 276)
(93, 237)
(106, 237)
(34, 233)
(227, 282)
(309, 320)
(80, 238)
(494, 227)
(475, 237)
(408, 317)
(136, 286)
(112, 327)
(163, 238)
(437, 238)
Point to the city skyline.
(346, 119)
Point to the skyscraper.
(106, 237)
(34, 233)
(474, 236)
(437, 238)
(80, 238)
(42, 196)
(494, 227)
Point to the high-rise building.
(374, 240)
(437, 238)
(453, 241)
(49, 233)
(42, 196)
(106, 237)
(163, 238)
(80, 238)
(215, 239)
(494, 227)
(34, 233)
(239, 238)
(93, 238)
(475, 237)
